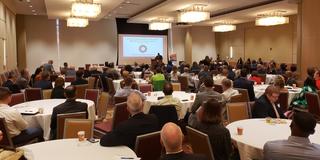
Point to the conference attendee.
(112, 72)
(310, 77)
(16, 125)
(159, 57)
(195, 68)
(211, 122)
(58, 90)
(94, 71)
(127, 89)
(158, 76)
(283, 69)
(218, 78)
(298, 145)
(69, 106)
(255, 78)
(261, 69)
(205, 73)
(168, 99)
(205, 95)
(44, 83)
(64, 69)
(11, 83)
(172, 138)
(23, 80)
(266, 105)
(125, 133)
(231, 75)
(186, 73)
(244, 83)
(79, 79)
(291, 78)
(280, 83)
(228, 91)
(317, 79)
(36, 76)
(48, 67)
(175, 74)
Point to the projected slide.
(142, 46)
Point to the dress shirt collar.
(179, 152)
(4, 106)
(126, 87)
(300, 140)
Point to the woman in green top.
(300, 101)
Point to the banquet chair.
(6, 141)
(313, 102)
(237, 98)
(46, 94)
(32, 94)
(117, 99)
(176, 86)
(158, 85)
(73, 126)
(144, 88)
(237, 111)
(61, 121)
(111, 89)
(80, 90)
(283, 101)
(244, 93)
(102, 105)
(184, 83)
(164, 113)
(218, 88)
(69, 78)
(143, 149)
(200, 143)
(250, 108)
(91, 82)
(17, 98)
(93, 95)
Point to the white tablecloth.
(196, 81)
(137, 74)
(256, 132)
(44, 120)
(260, 89)
(153, 99)
(71, 149)
(116, 83)
(66, 84)
(270, 78)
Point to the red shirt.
(256, 79)
(318, 84)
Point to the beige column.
(188, 47)
(21, 42)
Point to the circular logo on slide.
(143, 48)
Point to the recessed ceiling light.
(35, 14)
(120, 7)
(30, 6)
(128, 2)
(33, 10)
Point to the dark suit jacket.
(69, 106)
(127, 131)
(43, 84)
(58, 92)
(263, 108)
(14, 88)
(245, 84)
(79, 81)
(183, 156)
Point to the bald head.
(171, 137)
(134, 103)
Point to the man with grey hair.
(171, 139)
(127, 131)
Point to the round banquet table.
(260, 89)
(116, 83)
(73, 149)
(43, 120)
(256, 132)
(185, 99)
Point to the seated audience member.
(48, 67)
(188, 75)
(17, 126)
(299, 102)
(261, 69)
(58, 90)
(266, 106)
(310, 77)
(11, 83)
(203, 96)
(291, 78)
(174, 74)
(94, 71)
(195, 68)
(317, 79)
(112, 72)
(255, 78)
(64, 69)
(205, 73)
(169, 99)
(79, 79)
(218, 78)
(35, 77)
(69, 106)
(23, 80)
(45, 82)
(172, 138)
(139, 123)
(293, 68)
(231, 75)
(244, 83)
(298, 145)
(211, 123)
(228, 91)
(158, 76)
(127, 89)
(280, 83)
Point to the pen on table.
(127, 158)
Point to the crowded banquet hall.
(159, 80)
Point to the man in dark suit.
(266, 105)
(45, 82)
(79, 79)
(69, 106)
(11, 83)
(127, 131)
(243, 82)
(171, 139)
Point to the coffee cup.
(239, 130)
(81, 136)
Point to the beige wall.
(178, 42)
(277, 43)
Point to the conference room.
(159, 79)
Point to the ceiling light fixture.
(224, 27)
(77, 22)
(193, 14)
(160, 24)
(85, 8)
(271, 19)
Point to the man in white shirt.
(298, 145)
(218, 78)
(17, 126)
(127, 89)
(228, 91)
